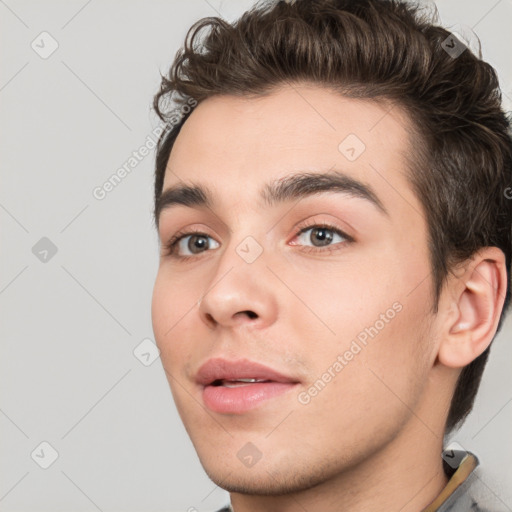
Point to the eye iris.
(196, 243)
(324, 235)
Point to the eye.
(316, 236)
(320, 236)
(184, 245)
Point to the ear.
(473, 310)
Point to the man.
(336, 240)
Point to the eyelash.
(170, 246)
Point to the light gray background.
(69, 326)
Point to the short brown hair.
(388, 50)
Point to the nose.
(239, 293)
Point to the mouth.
(236, 382)
(235, 387)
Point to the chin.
(266, 479)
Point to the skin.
(371, 439)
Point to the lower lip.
(240, 399)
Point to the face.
(310, 258)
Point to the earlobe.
(478, 306)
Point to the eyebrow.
(295, 186)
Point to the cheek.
(365, 383)
(338, 302)
(369, 318)
(173, 304)
(172, 307)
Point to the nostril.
(210, 319)
(250, 314)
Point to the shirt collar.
(461, 464)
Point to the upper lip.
(223, 369)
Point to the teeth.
(236, 382)
(240, 382)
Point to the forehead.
(233, 145)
